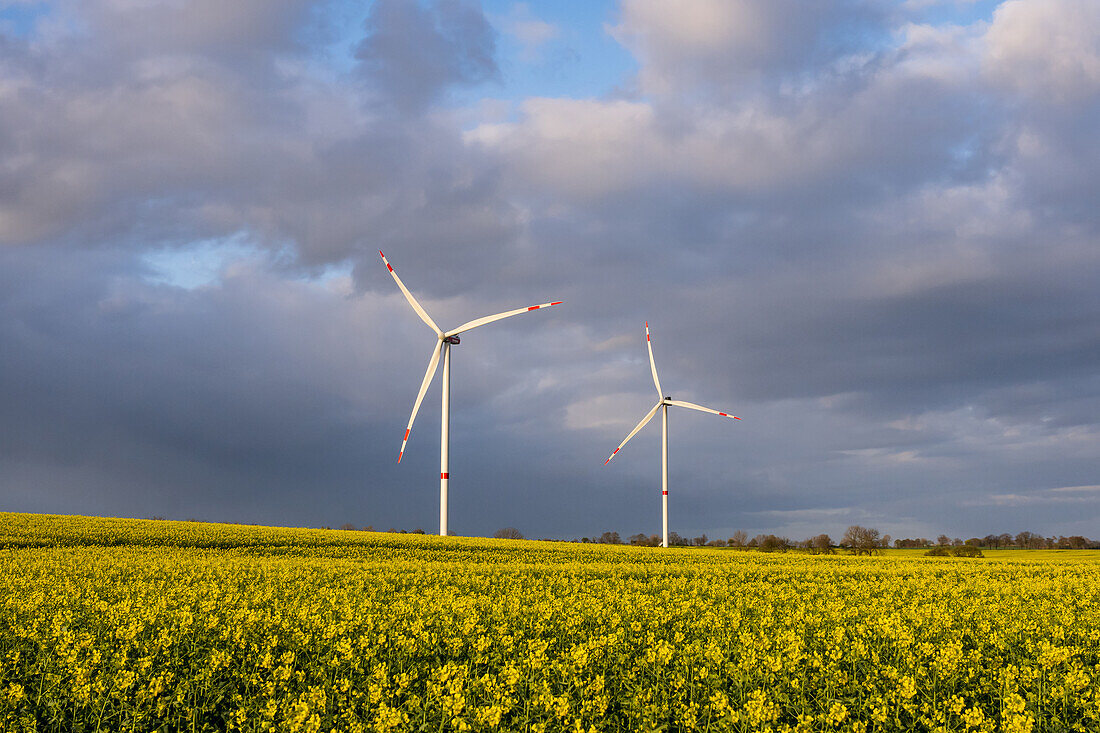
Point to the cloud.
(719, 47)
(1045, 49)
(531, 32)
(412, 54)
(1092, 488)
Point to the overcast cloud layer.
(869, 229)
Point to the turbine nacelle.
(450, 340)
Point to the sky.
(866, 227)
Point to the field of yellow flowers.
(141, 625)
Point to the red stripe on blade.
(445, 475)
(664, 493)
(534, 308)
(558, 303)
(399, 456)
(407, 433)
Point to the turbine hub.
(452, 340)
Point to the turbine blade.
(489, 319)
(693, 406)
(412, 301)
(653, 364)
(432, 364)
(639, 426)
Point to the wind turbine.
(443, 345)
(663, 403)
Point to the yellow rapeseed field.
(134, 625)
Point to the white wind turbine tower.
(663, 403)
(446, 340)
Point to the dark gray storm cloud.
(873, 238)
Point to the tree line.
(858, 539)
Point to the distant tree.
(675, 540)
(368, 528)
(418, 530)
(508, 533)
(754, 541)
(885, 541)
(716, 543)
(1028, 540)
(943, 540)
(821, 544)
(1004, 540)
(610, 538)
(638, 540)
(584, 539)
(861, 540)
(772, 543)
(956, 542)
(700, 541)
(973, 542)
(347, 525)
(739, 538)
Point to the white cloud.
(720, 46)
(1076, 489)
(531, 31)
(1047, 49)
